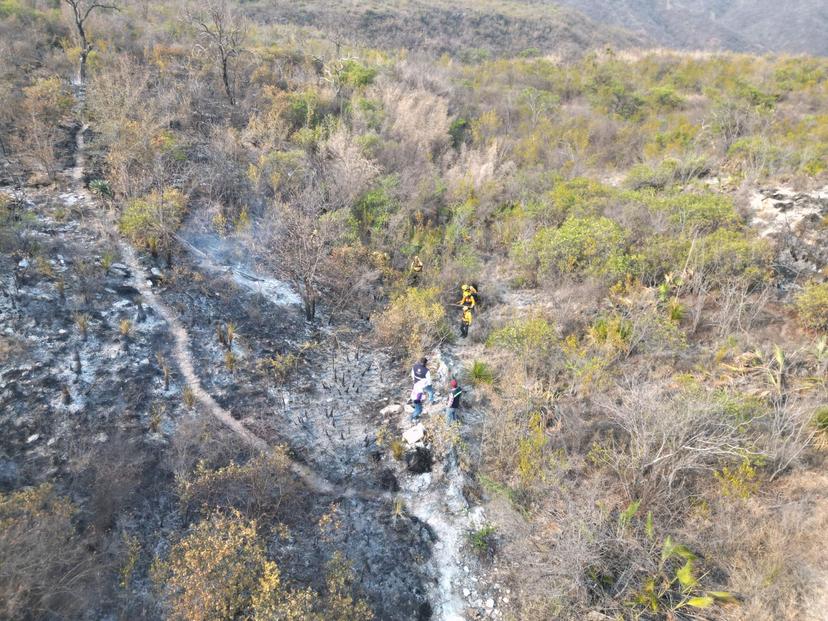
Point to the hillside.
(759, 26)
(472, 29)
(234, 234)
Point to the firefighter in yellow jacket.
(465, 321)
(468, 299)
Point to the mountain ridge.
(756, 26)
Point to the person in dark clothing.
(421, 373)
(453, 401)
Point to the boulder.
(120, 269)
(394, 408)
(414, 435)
(419, 460)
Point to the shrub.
(821, 419)
(305, 109)
(45, 568)
(613, 332)
(459, 131)
(582, 246)
(152, 220)
(414, 321)
(219, 571)
(812, 306)
(665, 98)
(257, 485)
(370, 214)
(355, 74)
(690, 211)
(530, 465)
(481, 373)
(576, 197)
(740, 481)
(534, 335)
(668, 173)
(211, 572)
(726, 254)
(482, 540)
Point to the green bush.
(533, 335)
(15, 8)
(576, 197)
(688, 211)
(821, 419)
(812, 306)
(481, 373)
(414, 321)
(668, 173)
(371, 212)
(459, 131)
(355, 74)
(482, 540)
(660, 255)
(305, 109)
(726, 254)
(665, 98)
(153, 219)
(582, 246)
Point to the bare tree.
(81, 10)
(666, 440)
(224, 33)
(298, 238)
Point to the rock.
(505, 600)
(23, 264)
(394, 408)
(101, 438)
(420, 483)
(466, 593)
(490, 603)
(415, 434)
(32, 438)
(388, 481)
(121, 269)
(156, 272)
(419, 460)
(9, 473)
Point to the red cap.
(454, 383)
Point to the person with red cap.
(453, 401)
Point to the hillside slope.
(741, 25)
(467, 28)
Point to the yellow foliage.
(211, 572)
(414, 321)
(530, 451)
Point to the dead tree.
(224, 33)
(81, 10)
(297, 239)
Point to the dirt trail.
(183, 354)
(184, 361)
(444, 510)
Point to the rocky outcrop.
(798, 223)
